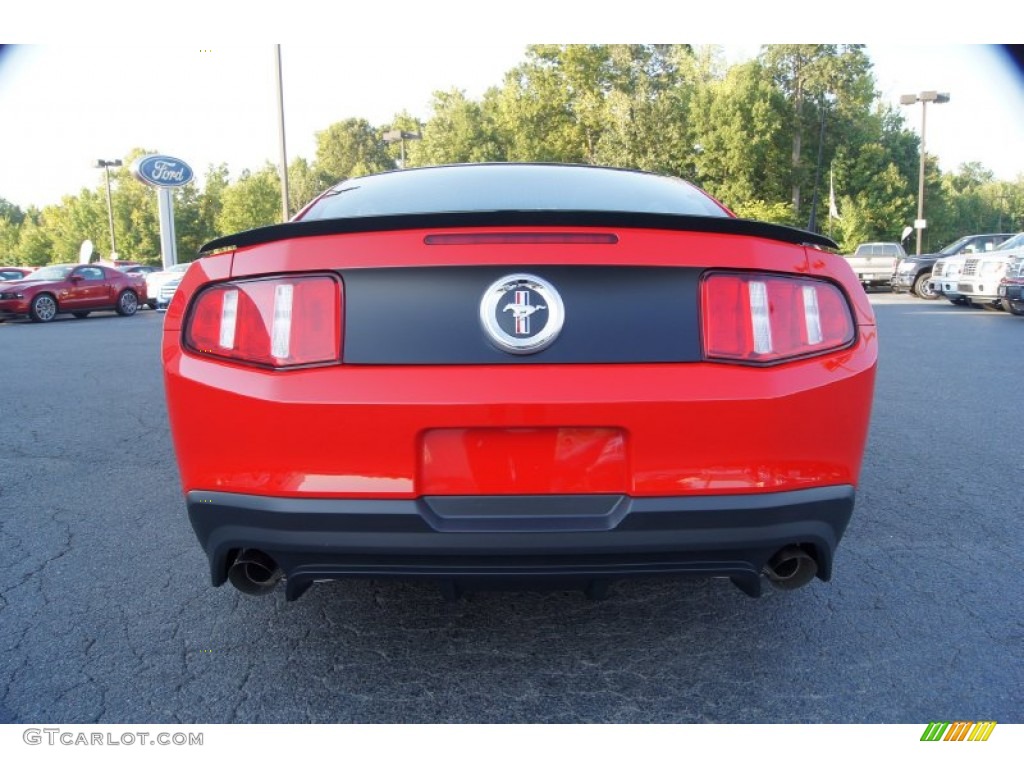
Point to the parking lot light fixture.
(924, 97)
(392, 136)
(106, 166)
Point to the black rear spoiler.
(458, 220)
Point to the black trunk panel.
(431, 315)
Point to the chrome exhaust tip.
(791, 568)
(254, 572)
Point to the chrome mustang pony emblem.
(522, 314)
(521, 310)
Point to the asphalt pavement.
(107, 615)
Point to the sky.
(65, 104)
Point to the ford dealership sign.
(162, 171)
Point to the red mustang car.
(75, 288)
(14, 273)
(544, 374)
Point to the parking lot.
(107, 615)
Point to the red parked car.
(75, 288)
(14, 273)
(546, 374)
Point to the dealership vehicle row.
(989, 279)
(982, 270)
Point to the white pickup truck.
(980, 277)
(875, 263)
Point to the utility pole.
(280, 121)
(106, 165)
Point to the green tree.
(459, 131)
(11, 213)
(211, 202)
(736, 128)
(352, 147)
(967, 209)
(189, 225)
(35, 249)
(304, 183)
(1005, 200)
(10, 235)
(877, 210)
(819, 82)
(75, 220)
(11, 218)
(875, 174)
(761, 210)
(611, 104)
(534, 114)
(252, 201)
(646, 107)
(137, 220)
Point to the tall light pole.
(280, 121)
(924, 97)
(106, 166)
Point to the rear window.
(512, 187)
(878, 249)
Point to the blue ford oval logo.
(162, 171)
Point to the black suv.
(913, 272)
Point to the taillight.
(762, 318)
(278, 322)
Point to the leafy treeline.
(763, 136)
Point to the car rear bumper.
(521, 539)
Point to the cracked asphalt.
(107, 616)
